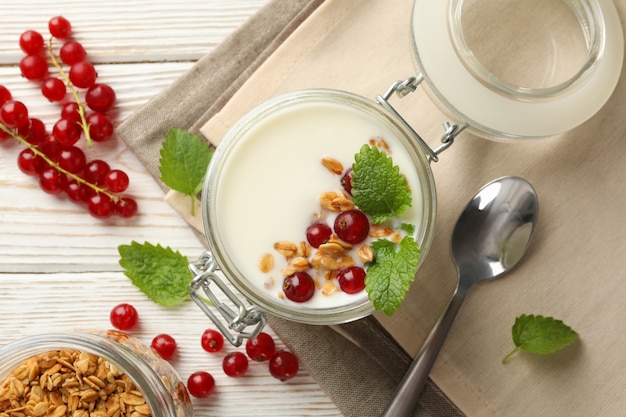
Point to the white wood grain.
(58, 266)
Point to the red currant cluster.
(54, 157)
(282, 364)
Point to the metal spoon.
(489, 238)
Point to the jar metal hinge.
(404, 87)
(244, 323)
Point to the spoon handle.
(405, 398)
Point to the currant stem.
(56, 166)
(81, 107)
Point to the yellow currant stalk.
(55, 165)
(81, 107)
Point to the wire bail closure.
(234, 325)
(404, 87)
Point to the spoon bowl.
(489, 238)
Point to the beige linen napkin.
(358, 371)
(574, 269)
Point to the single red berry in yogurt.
(346, 181)
(352, 226)
(317, 234)
(299, 287)
(351, 279)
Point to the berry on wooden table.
(201, 384)
(164, 345)
(124, 317)
(60, 27)
(212, 340)
(31, 42)
(260, 348)
(235, 364)
(283, 365)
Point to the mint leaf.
(541, 335)
(378, 188)
(183, 163)
(389, 277)
(160, 273)
(408, 228)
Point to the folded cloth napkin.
(573, 271)
(357, 364)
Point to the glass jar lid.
(513, 69)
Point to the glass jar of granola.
(104, 373)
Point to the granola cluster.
(70, 383)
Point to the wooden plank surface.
(59, 266)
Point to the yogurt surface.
(272, 178)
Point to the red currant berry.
(14, 114)
(116, 181)
(260, 348)
(201, 384)
(31, 42)
(100, 97)
(100, 206)
(29, 163)
(34, 132)
(72, 159)
(351, 279)
(60, 27)
(52, 181)
(50, 147)
(212, 340)
(83, 74)
(5, 95)
(96, 171)
(164, 345)
(126, 207)
(124, 317)
(100, 127)
(346, 181)
(352, 226)
(34, 67)
(318, 234)
(66, 132)
(77, 192)
(284, 365)
(72, 52)
(235, 364)
(53, 89)
(299, 287)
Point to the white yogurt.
(269, 188)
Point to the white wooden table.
(58, 265)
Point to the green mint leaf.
(184, 161)
(389, 277)
(378, 188)
(160, 273)
(408, 228)
(541, 335)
